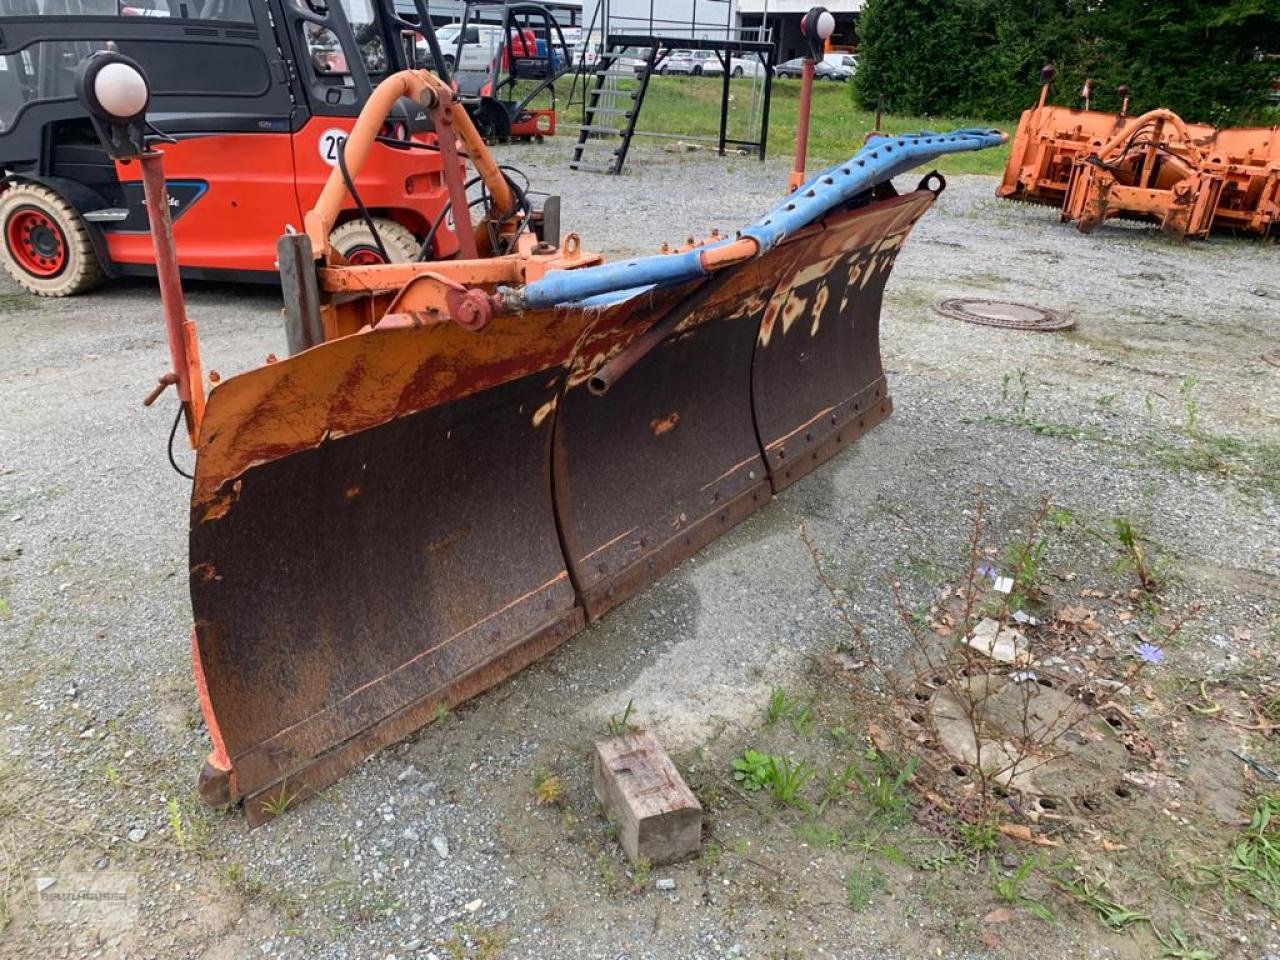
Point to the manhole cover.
(1272, 357)
(1005, 313)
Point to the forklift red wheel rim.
(363, 256)
(36, 241)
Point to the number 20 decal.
(330, 145)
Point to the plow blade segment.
(372, 538)
(817, 382)
(667, 459)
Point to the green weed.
(818, 835)
(175, 823)
(1009, 889)
(1113, 914)
(618, 724)
(752, 769)
(981, 837)
(641, 872)
(1133, 557)
(1175, 945)
(1060, 517)
(1189, 404)
(787, 779)
(1025, 561)
(1254, 864)
(757, 771)
(885, 789)
(473, 943)
(836, 786)
(860, 884)
(280, 801)
(780, 707)
(783, 706)
(1014, 390)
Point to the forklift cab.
(507, 53)
(255, 97)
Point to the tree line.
(1212, 61)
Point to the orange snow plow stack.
(1189, 178)
(463, 461)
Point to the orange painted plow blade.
(1189, 178)
(467, 460)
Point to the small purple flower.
(1149, 653)
(988, 571)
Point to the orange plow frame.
(1188, 178)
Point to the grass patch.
(860, 884)
(1255, 462)
(690, 106)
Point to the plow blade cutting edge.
(395, 520)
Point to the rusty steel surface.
(817, 379)
(1006, 314)
(1188, 178)
(399, 518)
(667, 459)
(372, 531)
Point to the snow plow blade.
(817, 380)
(482, 454)
(372, 541)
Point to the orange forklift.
(255, 99)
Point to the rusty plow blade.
(372, 538)
(396, 519)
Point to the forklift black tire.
(491, 121)
(47, 248)
(355, 242)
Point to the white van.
(479, 46)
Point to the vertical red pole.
(181, 331)
(796, 180)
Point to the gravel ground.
(434, 846)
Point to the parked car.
(695, 63)
(822, 70)
(479, 46)
(746, 67)
(842, 61)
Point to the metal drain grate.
(1005, 313)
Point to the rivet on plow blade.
(817, 381)
(372, 537)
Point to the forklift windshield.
(325, 51)
(42, 41)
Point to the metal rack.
(635, 42)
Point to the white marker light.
(826, 25)
(120, 90)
